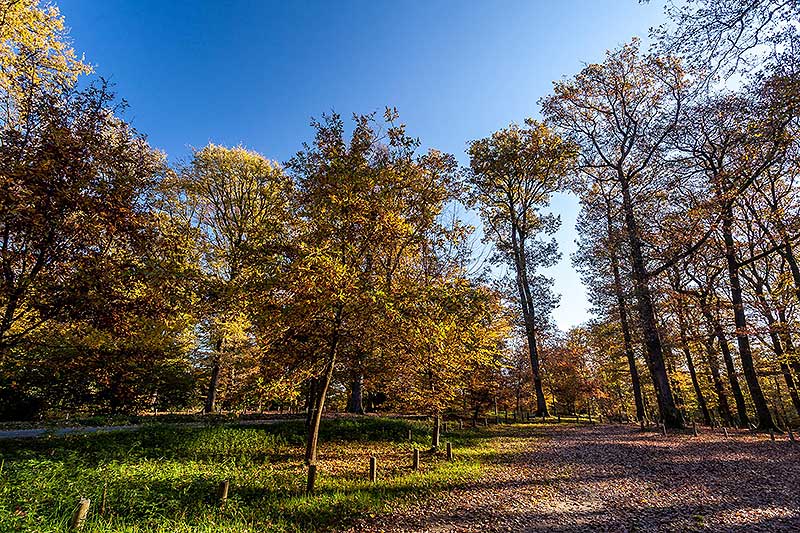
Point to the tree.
(368, 206)
(513, 174)
(237, 203)
(620, 113)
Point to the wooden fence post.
(415, 463)
(449, 451)
(373, 469)
(103, 496)
(222, 492)
(79, 516)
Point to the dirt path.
(614, 478)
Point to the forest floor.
(616, 478)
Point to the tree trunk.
(321, 393)
(745, 354)
(655, 356)
(719, 386)
(528, 315)
(626, 334)
(355, 401)
(211, 396)
(701, 401)
(437, 424)
(736, 390)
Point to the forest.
(369, 276)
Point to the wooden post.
(103, 499)
(410, 435)
(772, 434)
(222, 492)
(694, 428)
(791, 433)
(558, 416)
(485, 422)
(449, 451)
(312, 478)
(79, 516)
(415, 463)
(460, 423)
(444, 426)
(373, 469)
(725, 429)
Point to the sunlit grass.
(164, 478)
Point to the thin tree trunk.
(213, 384)
(321, 393)
(736, 390)
(655, 356)
(719, 386)
(701, 401)
(745, 353)
(437, 424)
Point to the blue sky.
(255, 72)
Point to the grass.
(163, 478)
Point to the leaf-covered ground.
(615, 478)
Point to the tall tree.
(621, 112)
(513, 175)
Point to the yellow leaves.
(34, 49)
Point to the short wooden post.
(449, 451)
(222, 492)
(791, 433)
(694, 428)
(558, 417)
(410, 435)
(444, 426)
(312, 479)
(415, 463)
(373, 469)
(79, 516)
(772, 434)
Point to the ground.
(615, 478)
(519, 477)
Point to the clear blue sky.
(255, 72)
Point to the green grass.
(164, 478)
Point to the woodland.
(346, 281)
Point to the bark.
(701, 401)
(355, 402)
(437, 424)
(716, 378)
(626, 336)
(321, 393)
(736, 390)
(528, 315)
(745, 353)
(666, 402)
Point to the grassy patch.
(164, 478)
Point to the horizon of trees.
(343, 276)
